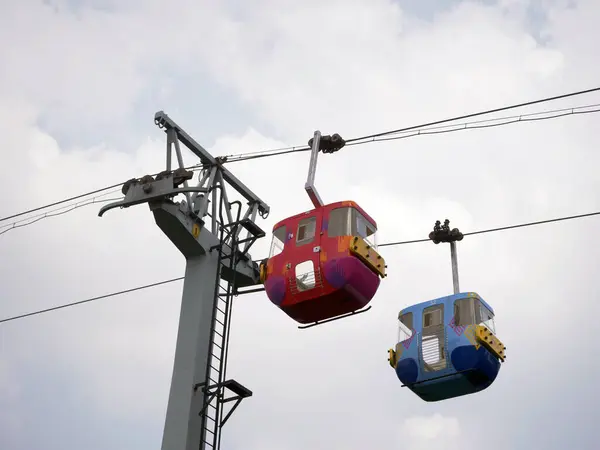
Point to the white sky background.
(79, 85)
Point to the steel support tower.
(215, 245)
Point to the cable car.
(323, 264)
(447, 347)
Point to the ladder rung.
(217, 320)
(216, 332)
(215, 410)
(214, 343)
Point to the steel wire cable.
(172, 280)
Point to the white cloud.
(372, 66)
(421, 432)
(11, 423)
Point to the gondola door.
(433, 339)
(306, 282)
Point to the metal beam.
(443, 233)
(454, 260)
(140, 193)
(309, 186)
(164, 121)
(180, 228)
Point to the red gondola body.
(323, 263)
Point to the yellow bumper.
(486, 338)
(367, 254)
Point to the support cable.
(427, 130)
(488, 123)
(172, 280)
(358, 140)
(509, 227)
(93, 299)
(481, 113)
(55, 212)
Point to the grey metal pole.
(454, 267)
(309, 186)
(183, 425)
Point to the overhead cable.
(488, 123)
(172, 280)
(424, 131)
(93, 299)
(480, 113)
(367, 137)
(55, 212)
(508, 227)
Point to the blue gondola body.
(447, 347)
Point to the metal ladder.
(216, 393)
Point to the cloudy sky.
(80, 81)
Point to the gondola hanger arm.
(326, 144)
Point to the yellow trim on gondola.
(367, 254)
(262, 271)
(392, 358)
(486, 338)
